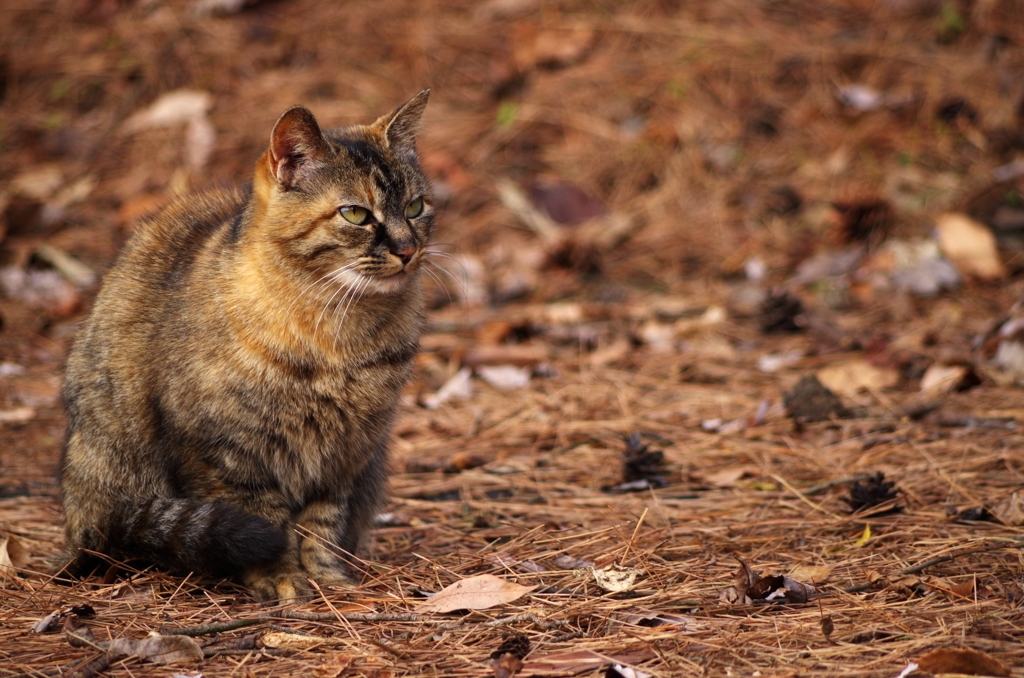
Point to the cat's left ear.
(402, 126)
(297, 147)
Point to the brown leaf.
(13, 556)
(816, 574)
(475, 593)
(157, 649)
(615, 578)
(970, 246)
(744, 580)
(857, 375)
(507, 665)
(966, 661)
(300, 641)
(1010, 511)
(332, 666)
(827, 626)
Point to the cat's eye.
(414, 209)
(355, 214)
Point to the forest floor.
(665, 219)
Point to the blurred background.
(846, 168)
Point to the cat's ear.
(402, 125)
(297, 147)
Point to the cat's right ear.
(297, 147)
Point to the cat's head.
(349, 206)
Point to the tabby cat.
(231, 396)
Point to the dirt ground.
(660, 220)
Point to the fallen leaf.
(173, 108)
(13, 556)
(940, 379)
(18, 415)
(729, 477)
(458, 386)
(157, 649)
(744, 580)
(857, 375)
(281, 639)
(864, 537)
(966, 661)
(827, 626)
(507, 665)
(616, 579)
(475, 593)
(332, 666)
(816, 574)
(970, 245)
(1010, 511)
(505, 377)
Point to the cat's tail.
(188, 535)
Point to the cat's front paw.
(281, 588)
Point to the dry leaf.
(332, 666)
(970, 245)
(475, 593)
(157, 649)
(864, 537)
(505, 377)
(943, 378)
(174, 108)
(728, 477)
(616, 579)
(744, 580)
(293, 641)
(13, 556)
(1010, 511)
(966, 661)
(507, 665)
(459, 386)
(857, 375)
(827, 625)
(816, 574)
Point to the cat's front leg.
(322, 525)
(339, 526)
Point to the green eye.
(355, 214)
(414, 209)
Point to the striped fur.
(231, 396)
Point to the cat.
(231, 396)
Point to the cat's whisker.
(360, 287)
(461, 282)
(328, 304)
(440, 284)
(323, 282)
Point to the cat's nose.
(404, 252)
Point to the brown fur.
(235, 381)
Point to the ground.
(659, 217)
